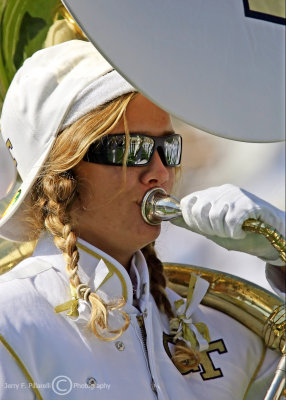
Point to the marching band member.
(89, 314)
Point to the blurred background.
(207, 160)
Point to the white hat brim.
(12, 223)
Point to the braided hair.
(54, 193)
(183, 357)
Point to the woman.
(89, 314)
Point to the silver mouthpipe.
(158, 206)
(275, 391)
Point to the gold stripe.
(256, 371)
(22, 367)
(275, 8)
(12, 202)
(110, 266)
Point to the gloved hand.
(219, 212)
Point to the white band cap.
(99, 92)
(52, 89)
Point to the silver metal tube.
(275, 391)
(158, 206)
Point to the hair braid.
(184, 358)
(59, 191)
(52, 198)
(158, 280)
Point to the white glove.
(219, 212)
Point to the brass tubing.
(271, 234)
(256, 308)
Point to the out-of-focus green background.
(23, 28)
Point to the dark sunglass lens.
(172, 147)
(140, 150)
(115, 148)
(111, 149)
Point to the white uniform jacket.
(66, 361)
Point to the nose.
(156, 173)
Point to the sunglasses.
(110, 150)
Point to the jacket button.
(120, 346)
(91, 382)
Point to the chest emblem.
(207, 369)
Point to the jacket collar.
(101, 272)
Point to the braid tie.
(83, 291)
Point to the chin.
(152, 234)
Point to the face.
(109, 213)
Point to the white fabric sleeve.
(276, 277)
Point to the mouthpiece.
(158, 206)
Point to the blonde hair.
(51, 199)
(56, 189)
